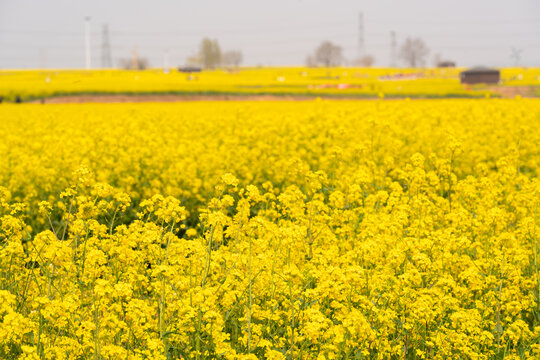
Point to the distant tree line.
(210, 56)
(135, 63)
(413, 52)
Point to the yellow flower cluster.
(308, 230)
(358, 82)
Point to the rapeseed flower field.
(292, 81)
(384, 229)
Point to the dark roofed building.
(480, 75)
(446, 64)
(189, 69)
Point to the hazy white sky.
(39, 33)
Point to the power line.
(395, 22)
(335, 37)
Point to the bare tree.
(143, 63)
(134, 64)
(232, 58)
(414, 52)
(329, 54)
(210, 53)
(310, 61)
(365, 61)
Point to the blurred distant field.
(31, 85)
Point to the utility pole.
(516, 55)
(88, 57)
(361, 35)
(106, 61)
(393, 45)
